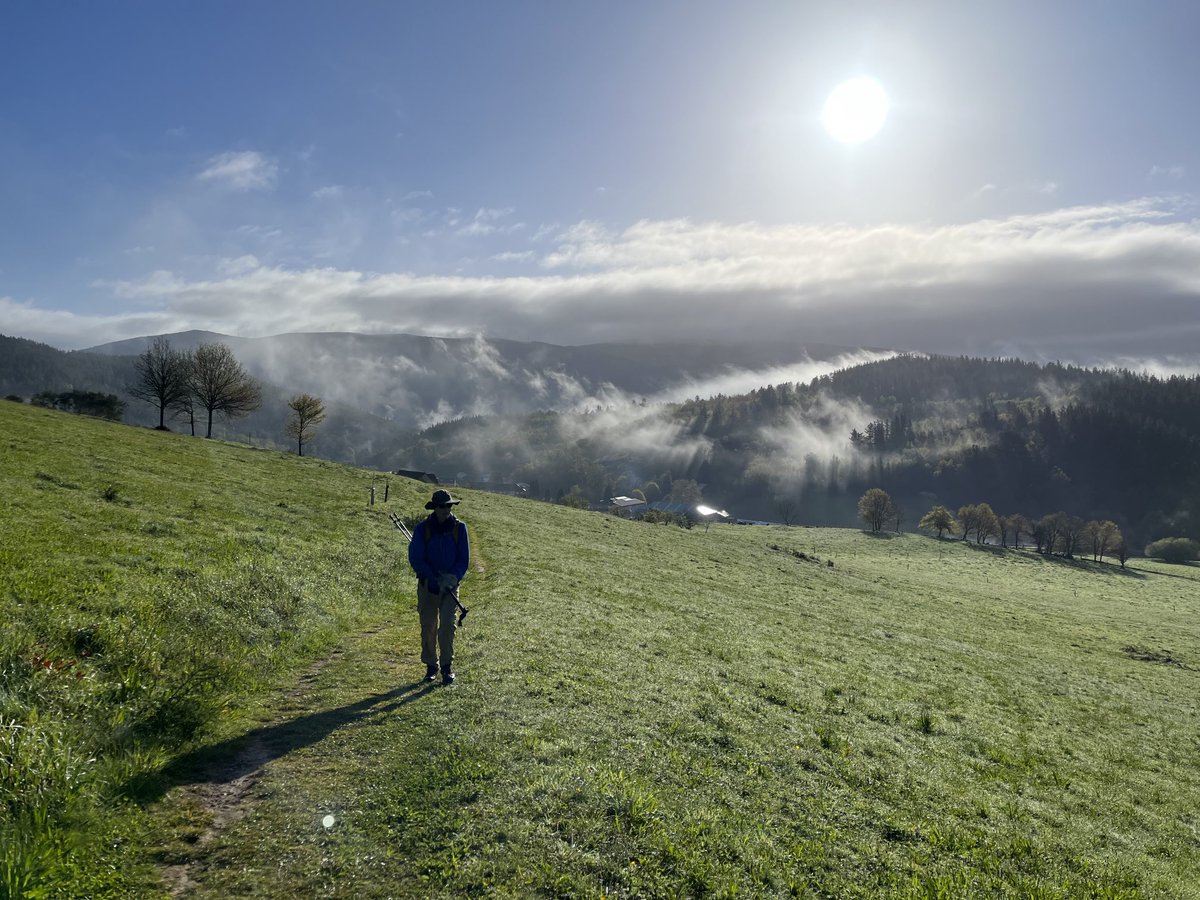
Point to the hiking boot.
(431, 673)
(447, 676)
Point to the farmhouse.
(629, 507)
(427, 477)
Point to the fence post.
(387, 486)
(372, 495)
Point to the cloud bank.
(1081, 284)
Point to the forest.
(1026, 438)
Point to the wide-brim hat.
(441, 498)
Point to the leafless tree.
(1019, 525)
(1110, 538)
(1048, 532)
(788, 507)
(162, 378)
(1072, 535)
(220, 384)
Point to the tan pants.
(438, 624)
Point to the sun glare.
(855, 110)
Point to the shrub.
(575, 501)
(661, 517)
(1174, 550)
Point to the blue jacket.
(441, 553)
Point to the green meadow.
(209, 688)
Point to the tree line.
(1057, 532)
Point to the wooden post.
(372, 495)
(387, 486)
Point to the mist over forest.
(776, 433)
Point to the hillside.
(1026, 438)
(27, 368)
(641, 711)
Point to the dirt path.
(221, 779)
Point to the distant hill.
(418, 381)
(1026, 438)
(388, 384)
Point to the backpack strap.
(429, 531)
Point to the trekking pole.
(403, 529)
(400, 526)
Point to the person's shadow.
(237, 758)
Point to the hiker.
(440, 554)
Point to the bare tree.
(788, 507)
(1072, 535)
(1110, 538)
(220, 384)
(1019, 525)
(162, 378)
(307, 413)
(1049, 531)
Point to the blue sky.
(591, 171)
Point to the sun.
(855, 110)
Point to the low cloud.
(1072, 284)
(822, 431)
(740, 381)
(244, 170)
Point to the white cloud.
(61, 328)
(740, 381)
(486, 221)
(1071, 284)
(328, 192)
(513, 256)
(244, 170)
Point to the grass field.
(214, 649)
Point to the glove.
(448, 582)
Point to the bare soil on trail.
(221, 782)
